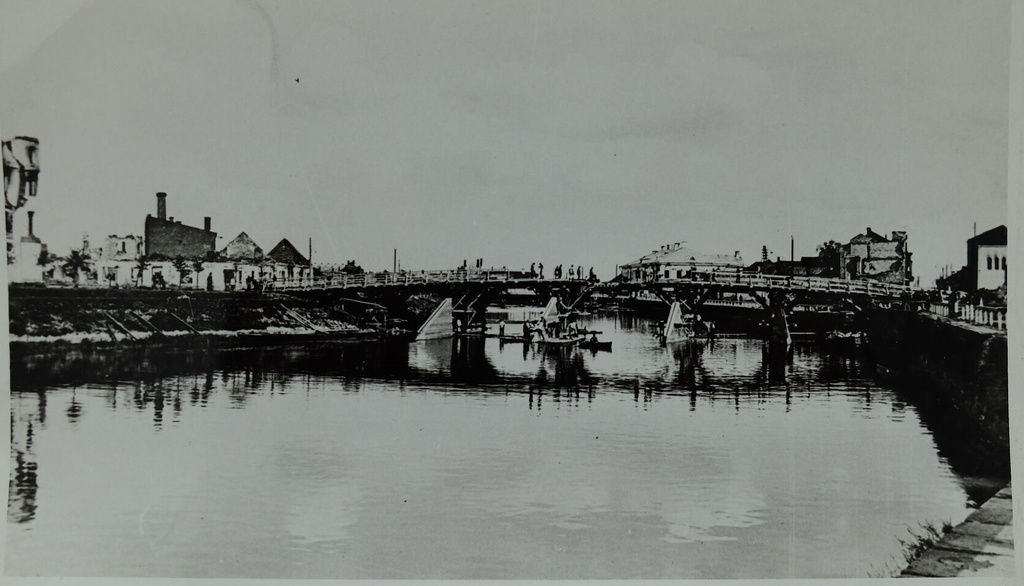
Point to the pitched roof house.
(286, 253)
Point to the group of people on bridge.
(575, 272)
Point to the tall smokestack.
(31, 223)
(161, 205)
(791, 257)
(206, 223)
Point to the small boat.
(510, 339)
(596, 345)
(561, 341)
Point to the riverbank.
(957, 375)
(981, 546)
(104, 316)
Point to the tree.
(181, 265)
(197, 267)
(830, 254)
(76, 262)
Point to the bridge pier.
(777, 305)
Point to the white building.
(986, 259)
(674, 261)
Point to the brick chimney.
(206, 223)
(161, 205)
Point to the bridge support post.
(778, 321)
(779, 325)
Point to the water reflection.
(336, 456)
(23, 485)
(746, 373)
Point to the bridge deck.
(736, 282)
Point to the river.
(470, 458)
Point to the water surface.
(469, 459)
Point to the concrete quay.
(981, 546)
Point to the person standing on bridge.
(533, 271)
(540, 267)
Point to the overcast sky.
(561, 132)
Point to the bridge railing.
(983, 315)
(381, 279)
(782, 282)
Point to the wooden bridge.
(749, 282)
(729, 282)
(409, 278)
(471, 291)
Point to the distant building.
(807, 266)
(166, 238)
(123, 247)
(118, 261)
(242, 248)
(873, 256)
(288, 264)
(286, 253)
(986, 260)
(674, 261)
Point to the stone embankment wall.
(958, 369)
(39, 314)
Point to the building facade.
(166, 238)
(675, 261)
(986, 260)
(873, 256)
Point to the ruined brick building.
(166, 238)
(873, 256)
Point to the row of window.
(993, 263)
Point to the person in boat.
(540, 327)
(593, 338)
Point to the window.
(989, 259)
(1004, 263)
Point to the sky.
(534, 131)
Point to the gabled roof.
(286, 253)
(242, 246)
(994, 237)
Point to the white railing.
(993, 317)
(404, 278)
(770, 282)
(983, 315)
(765, 282)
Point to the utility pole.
(791, 248)
(394, 262)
